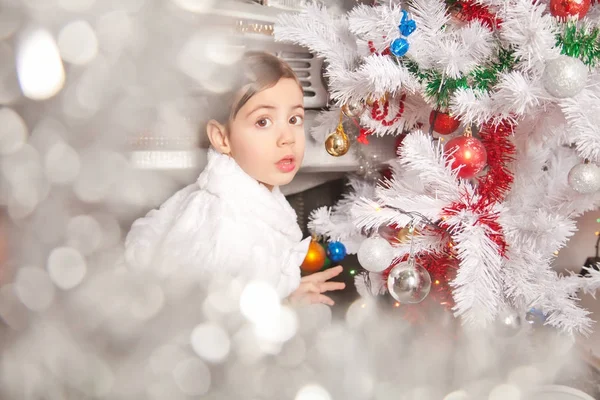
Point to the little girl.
(234, 221)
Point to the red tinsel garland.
(442, 268)
(486, 218)
(500, 151)
(494, 186)
(470, 10)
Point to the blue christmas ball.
(535, 317)
(399, 47)
(408, 27)
(336, 251)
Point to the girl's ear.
(217, 134)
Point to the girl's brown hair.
(260, 71)
(255, 72)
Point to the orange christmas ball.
(443, 123)
(315, 258)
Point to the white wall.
(572, 257)
(581, 246)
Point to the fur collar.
(224, 178)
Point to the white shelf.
(194, 159)
(248, 11)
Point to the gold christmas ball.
(403, 235)
(337, 144)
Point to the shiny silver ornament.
(375, 254)
(585, 178)
(353, 109)
(409, 282)
(564, 76)
(508, 323)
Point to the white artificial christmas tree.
(523, 76)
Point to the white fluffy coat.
(224, 224)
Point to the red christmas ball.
(467, 152)
(569, 8)
(443, 123)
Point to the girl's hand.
(312, 286)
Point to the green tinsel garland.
(440, 88)
(581, 42)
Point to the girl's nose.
(286, 136)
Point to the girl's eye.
(296, 120)
(263, 123)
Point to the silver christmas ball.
(409, 282)
(508, 323)
(564, 76)
(353, 109)
(375, 254)
(585, 178)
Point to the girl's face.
(266, 137)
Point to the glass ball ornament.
(336, 251)
(353, 109)
(409, 282)
(468, 153)
(584, 178)
(314, 259)
(508, 323)
(564, 9)
(443, 123)
(535, 317)
(337, 143)
(399, 47)
(375, 254)
(397, 234)
(564, 76)
(403, 235)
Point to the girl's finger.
(321, 298)
(329, 286)
(323, 275)
(309, 287)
